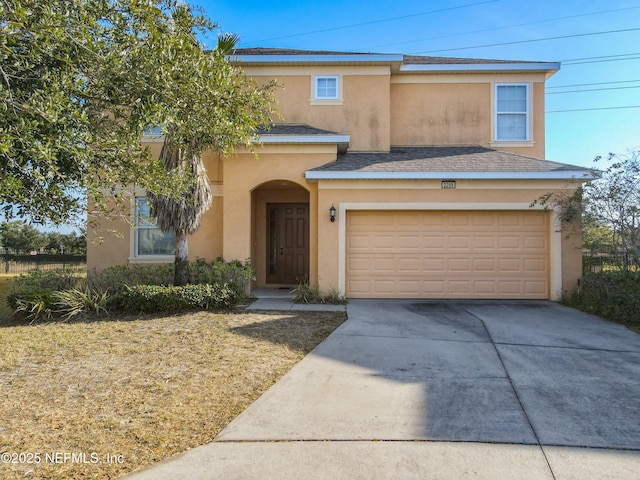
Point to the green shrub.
(35, 306)
(116, 279)
(36, 285)
(305, 293)
(168, 299)
(235, 273)
(70, 303)
(64, 304)
(614, 295)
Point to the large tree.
(80, 80)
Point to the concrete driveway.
(541, 390)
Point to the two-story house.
(391, 176)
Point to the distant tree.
(596, 236)
(613, 202)
(21, 238)
(66, 243)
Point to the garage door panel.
(407, 265)
(484, 241)
(383, 266)
(487, 287)
(433, 241)
(535, 265)
(447, 254)
(534, 288)
(509, 220)
(408, 242)
(434, 264)
(460, 265)
(510, 242)
(535, 242)
(485, 265)
(359, 241)
(384, 242)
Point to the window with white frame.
(512, 112)
(327, 87)
(153, 131)
(149, 239)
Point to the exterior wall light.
(332, 214)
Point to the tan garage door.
(447, 254)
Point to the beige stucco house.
(390, 176)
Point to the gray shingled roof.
(293, 129)
(443, 159)
(407, 59)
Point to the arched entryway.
(280, 233)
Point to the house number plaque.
(448, 184)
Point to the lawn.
(100, 399)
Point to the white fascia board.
(303, 139)
(481, 67)
(368, 58)
(563, 175)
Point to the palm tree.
(184, 214)
(186, 139)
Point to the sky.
(592, 103)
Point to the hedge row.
(614, 295)
(156, 298)
(132, 289)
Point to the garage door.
(448, 254)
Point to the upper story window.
(327, 87)
(512, 112)
(149, 239)
(153, 131)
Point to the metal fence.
(599, 262)
(17, 264)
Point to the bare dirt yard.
(99, 399)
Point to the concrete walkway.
(280, 299)
(447, 390)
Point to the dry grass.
(142, 388)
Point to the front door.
(287, 242)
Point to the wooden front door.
(287, 243)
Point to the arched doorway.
(280, 233)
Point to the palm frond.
(184, 212)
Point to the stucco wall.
(244, 173)
(363, 112)
(460, 110)
(108, 240)
(440, 114)
(414, 192)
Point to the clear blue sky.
(609, 63)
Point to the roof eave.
(317, 59)
(580, 175)
(341, 140)
(551, 67)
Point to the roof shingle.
(443, 159)
(407, 59)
